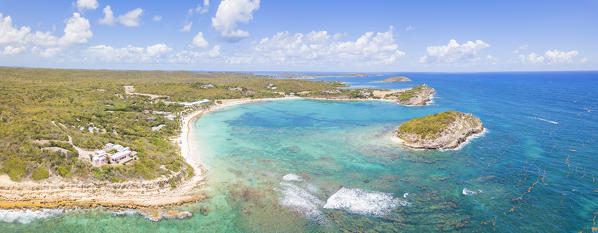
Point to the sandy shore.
(57, 192)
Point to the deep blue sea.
(313, 166)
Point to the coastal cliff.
(445, 130)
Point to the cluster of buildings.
(112, 154)
(271, 86)
(205, 86)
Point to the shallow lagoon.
(528, 173)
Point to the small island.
(396, 79)
(445, 130)
(418, 95)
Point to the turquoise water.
(532, 171)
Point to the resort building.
(112, 154)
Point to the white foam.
(542, 119)
(468, 140)
(364, 202)
(292, 177)
(468, 192)
(27, 216)
(301, 201)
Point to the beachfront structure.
(112, 154)
(206, 86)
(235, 89)
(156, 128)
(170, 117)
(151, 118)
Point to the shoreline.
(400, 142)
(60, 193)
(143, 195)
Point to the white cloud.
(202, 9)
(454, 52)
(87, 4)
(131, 18)
(552, 57)
(232, 12)
(584, 60)
(319, 47)
(157, 18)
(77, 31)
(108, 16)
(187, 27)
(11, 50)
(532, 58)
(10, 33)
(199, 41)
(129, 54)
(558, 57)
(409, 28)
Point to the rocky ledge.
(445, 130)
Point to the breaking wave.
(301, 200)
(364, 202)
(468, 192)
(292, 177)
(27, 216)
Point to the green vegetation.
(408, 94)
(40, 173)
(429, 126)
(396, 79)
(41, 108)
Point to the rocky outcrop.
(445, 130)
(419, 95)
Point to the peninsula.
(445, 130)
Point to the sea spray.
(364, 202)
(300, 200)
(27, 216)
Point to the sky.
(301, 35)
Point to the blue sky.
(343, 35)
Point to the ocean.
(313, 166)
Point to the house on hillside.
(112, 154)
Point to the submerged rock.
(445, 130)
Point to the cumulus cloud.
(552, 57)
(454, 52)
(191, 57)
(157, 18)
(12, 50)
(129, 19)
(531, 58)
(199, 41)
(10, 33)
(87, 4)
(319, 47)
(77, 31)
(108, 16)
(187, 27)
(232, 12)
(18, 40)
(130, 54)
(559, 57)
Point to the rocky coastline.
(445, 130)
